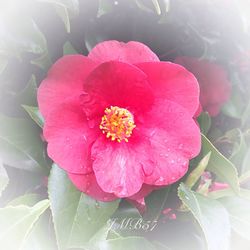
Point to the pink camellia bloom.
(119, 121)
(215, 88)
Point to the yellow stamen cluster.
(117, 123)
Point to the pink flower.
(215, 88)
(119, 121)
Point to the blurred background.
(35, 33)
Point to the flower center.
(117, 123)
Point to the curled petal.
(131, 52)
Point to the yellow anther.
(117, 124)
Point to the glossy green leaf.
(35, 115)
(205, 122)
(156, 202)
(245, 115)
(21, 145)
(43, 61)
(240, 147)
(194, 176)
(77, 217)
(27, 200)
(244, 177)
(22, 35)
(66, 9)
(246, 162)
(235, 106)
(17, 222)
(41, 237)
(4, 179)
(28, 95)
(220, 165)
(228, 192)
(68, 49)
(62, 12)
(238, 209)
(211, 216)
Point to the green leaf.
(27, 200)
(235, 106)
(194, 176)
(4, 179)
(238, 209)
(220, 165)
(21, 145)
(17, 222)
(211, 216)
(77, 217)
(246, 163)
(35, 114)
(28, 95)
(244, 177)
(43, 61)
(65, 9)
(41, 237)
(205, 122)
(68, 49)
(240, 148)
(22, 35)
(228, 192)
(62, 12)
(156, 203)
(245, 115)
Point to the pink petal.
(116, 84)
(87, 184)
(174, 138)
(174, 83)
(131, 52)
(119, 166)
(64, 80)
(69, 138)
